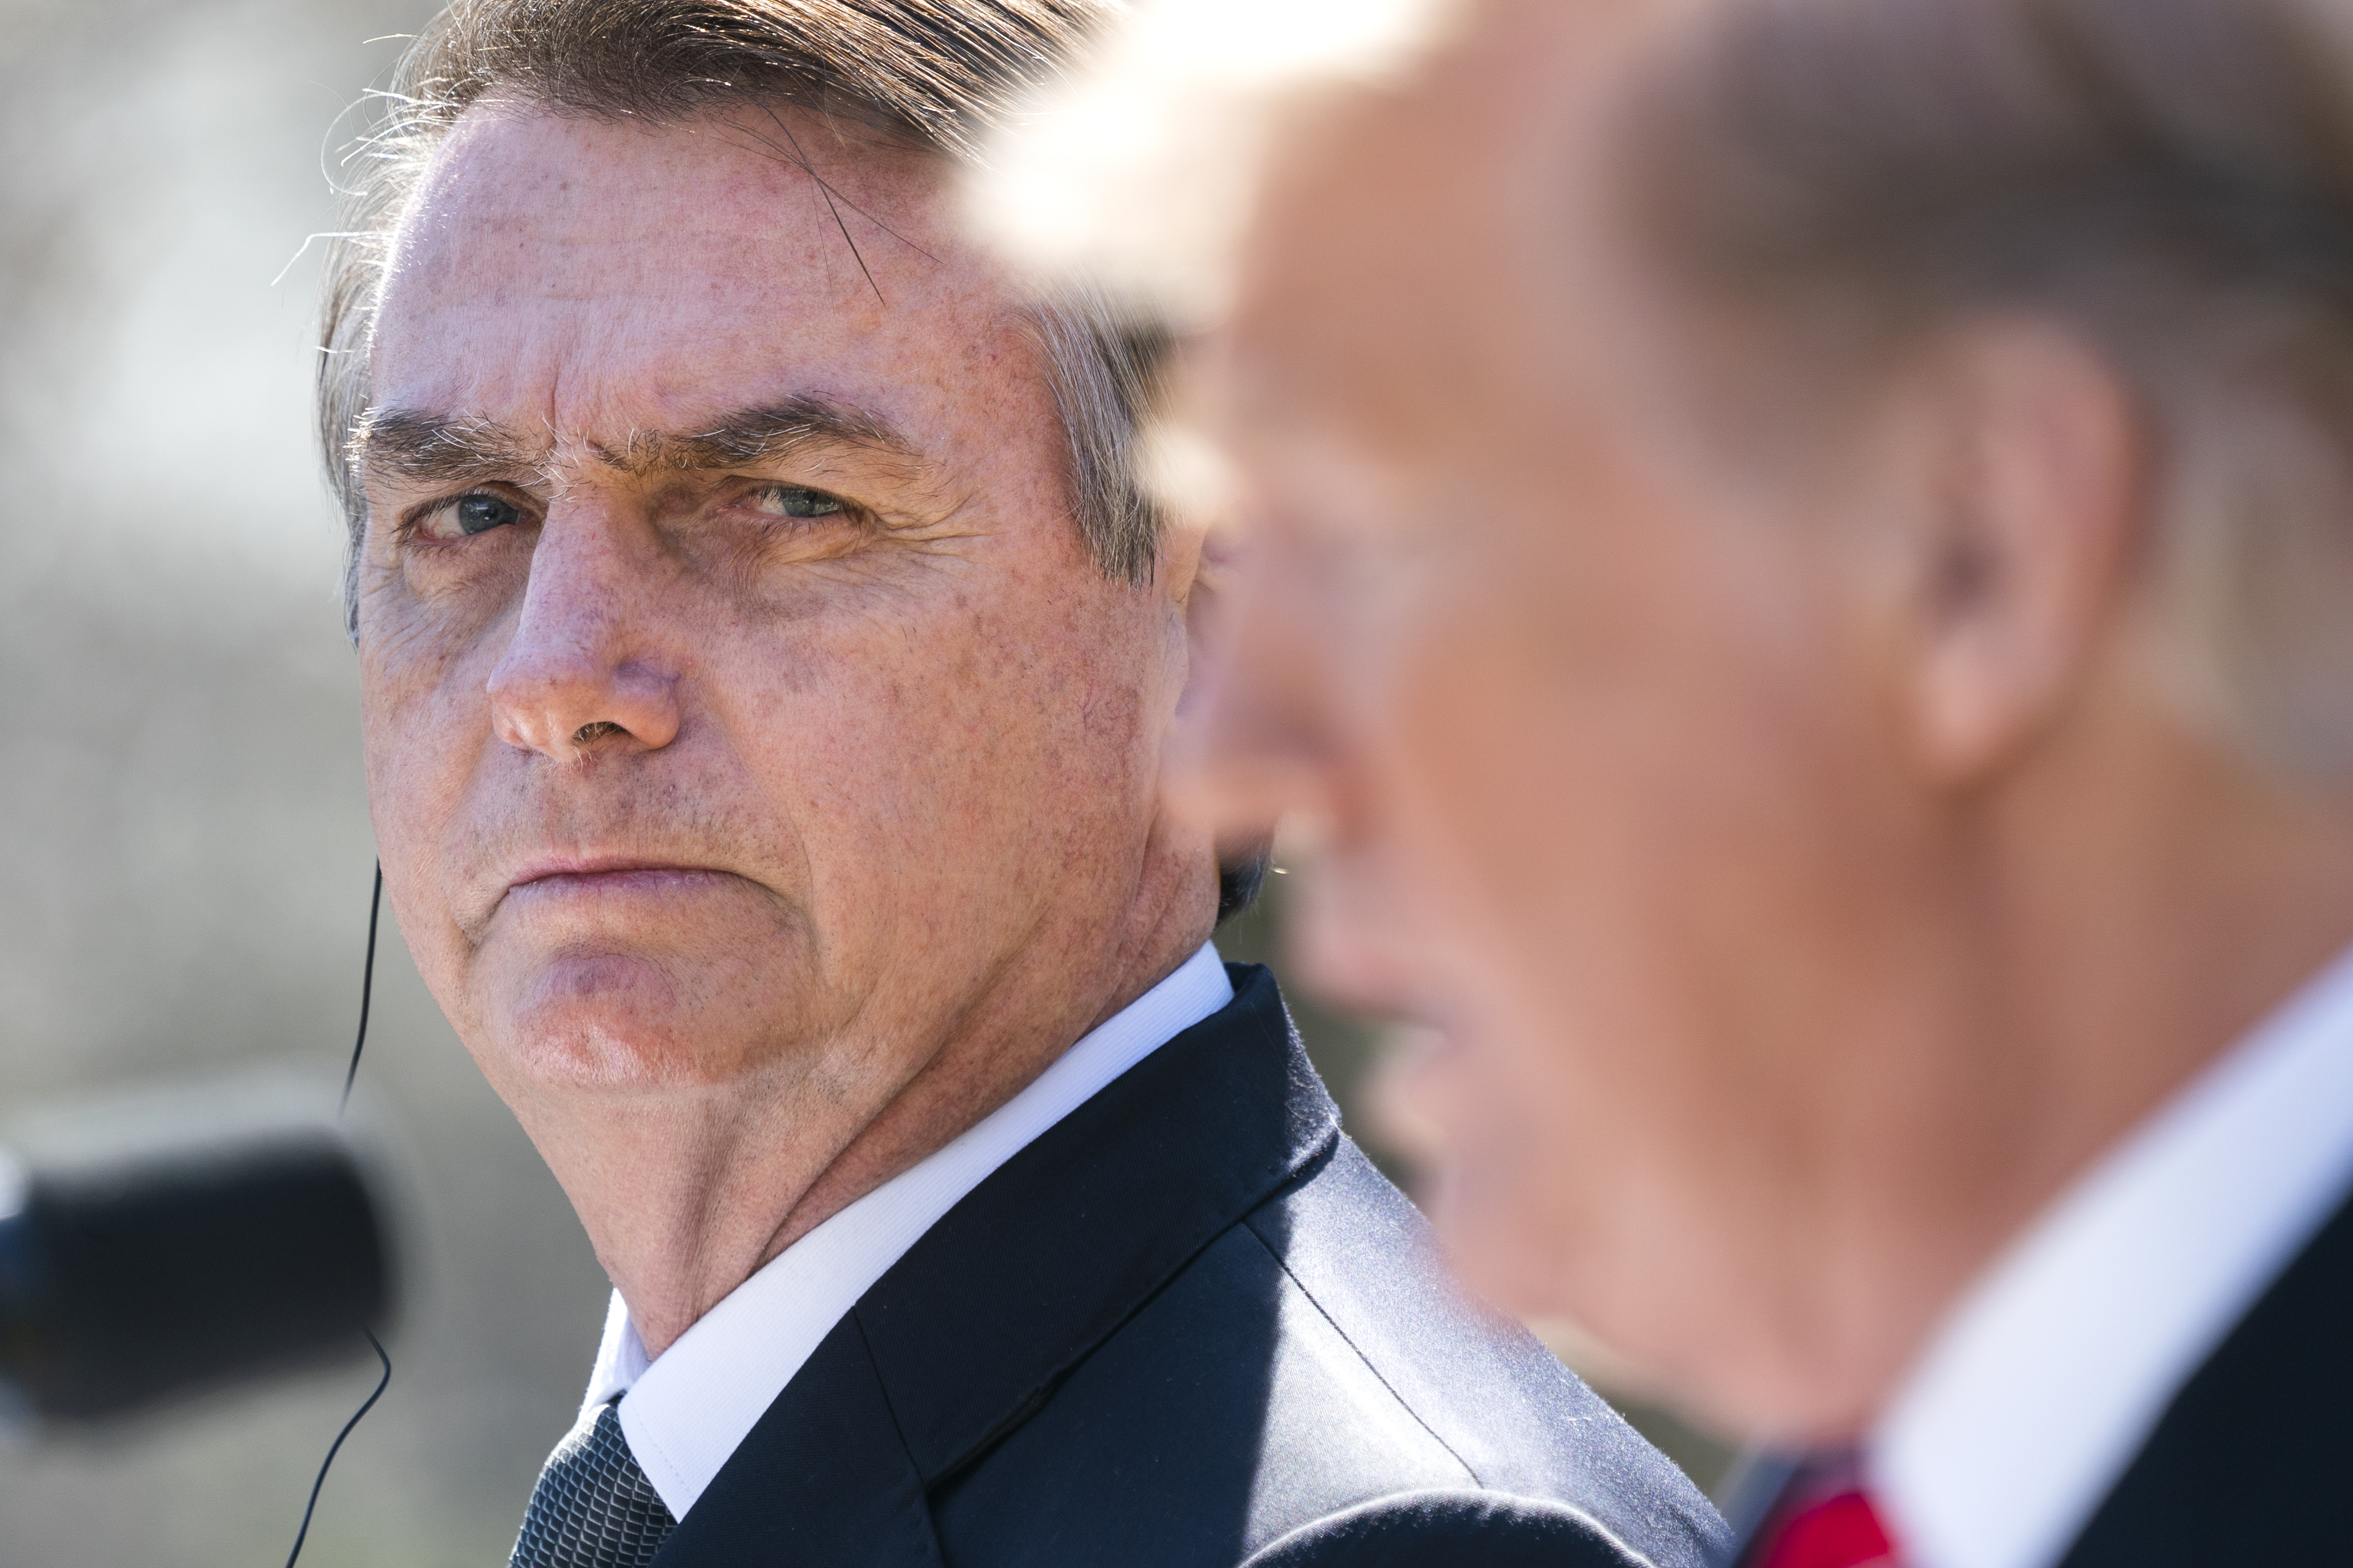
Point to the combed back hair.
(2170, 180)
(932, 75)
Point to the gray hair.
(938, 75)
(2172, 180)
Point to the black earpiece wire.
(351, 1076)
(367, 991)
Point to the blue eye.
(793, 500)
(482, 513)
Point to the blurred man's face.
(1591, 731)
(742, 704)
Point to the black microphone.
(181, 1241)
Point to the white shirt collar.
(685, 1413)
(2051, 1373)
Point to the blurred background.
(188, 854)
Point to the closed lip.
(600, 865)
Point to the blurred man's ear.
(2022, 490)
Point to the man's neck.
(2144, 932)
(685, 1196)
(2115, 931)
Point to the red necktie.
(1841, 1530)
(1823, 1518)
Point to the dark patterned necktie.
(593, 1508)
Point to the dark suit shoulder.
(1188, 1321)
(1500, 1402)
(2245, 1464)
(1442, 1529)
(1310, 1362)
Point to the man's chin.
(1498, 1247)
(611, 1021)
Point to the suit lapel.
(971, 1332)
(824, 1478)
(2244, 1464)
(974, 1329)
(2248, 1463)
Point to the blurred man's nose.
(1267, 740)
(592, 664)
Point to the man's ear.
(1210, 601)
(2025, 497)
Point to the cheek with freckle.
(423, 717)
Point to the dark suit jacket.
(1190, 1325)
(2247, 1463)
(2252, 1462)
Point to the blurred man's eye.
(793, 500)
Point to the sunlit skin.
(1794, 923)
(764, 773)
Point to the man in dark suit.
(1803, 551)
(766, 663)
(1191, 1323)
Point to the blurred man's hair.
(2171, 180)
(930, 75)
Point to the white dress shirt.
(685, 1412)
(2054, 1370)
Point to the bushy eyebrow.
(426, 449)
(429, 448)
(761, 435)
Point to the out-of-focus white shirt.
(685, 1412)
(2050, 1374)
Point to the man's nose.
(593, 664)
